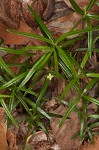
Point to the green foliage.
(55, 53)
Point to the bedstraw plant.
(55, 54)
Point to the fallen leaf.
(11, 139)
(40, 141)
(64, 24)
(3, 130)
(63, 135)
(10, 38)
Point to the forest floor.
(62, 21)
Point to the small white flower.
(50, 76)
(26, 1)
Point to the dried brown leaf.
(69, 128)
(3, 129)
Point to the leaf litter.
(60, 138)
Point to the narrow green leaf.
(65, 69)
(41, 124)
(16, 103)
(39, 63)
(71, 41)
(95, 116)
(82, 128)
(41, 25)
(5, 67)
(46, 48)
(64, 102)
(20, 97)
(86, 49)
(90, 135)
(38, 108)
(11, 101)
(8, 112)
(35, 36)
(13, 81)
(67, 88)
(74, 62)
(37, 78)
(97, 3)
(74, 32)
(93, 100)
(25, 64)
(2, 80)
(56, 64)
(55, 115)
(94, 41)
(66, 60)
(27, 91)
(76, 25)
(96, 17)
(84, 60)
(90, 6)
(14, 51)
(43, 90)
(76, 7)
(96, 124)
(95, 75)
(5, 96)
(91, 84)
(89, 36)
(70, 109)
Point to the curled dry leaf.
(44, 8)
(64, 24)
(11, 139)
(3, 130)
(7, 138)
(12, 11)
(10, 38)
(63, 135)
(42, 142)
